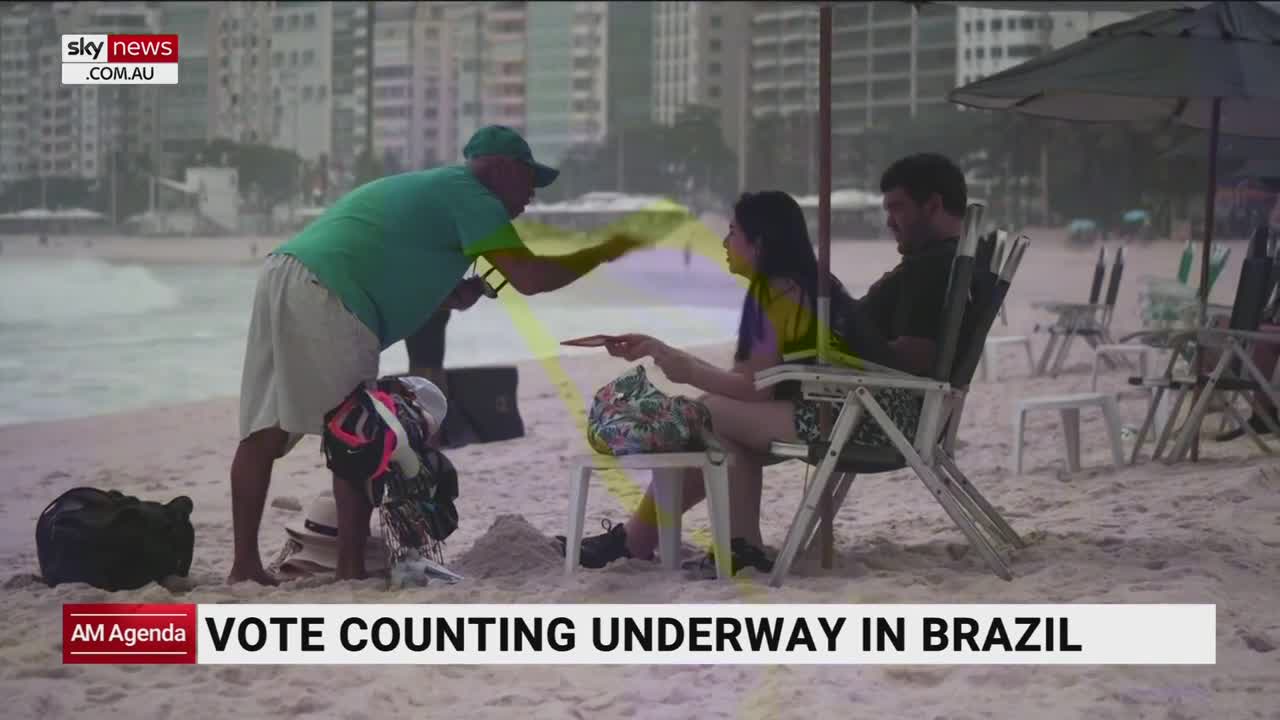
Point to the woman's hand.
(676, 364)
(632, 347)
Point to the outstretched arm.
(531, 274)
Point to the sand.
(1202, 533)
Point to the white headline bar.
(120, 74)
(707, 634)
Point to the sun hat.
(503, 141)
(316, 534)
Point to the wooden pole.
(1210, 201)
(826, 507)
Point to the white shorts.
(306, 352)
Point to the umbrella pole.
(1210, 203)
(825, 507)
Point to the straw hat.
(317, 534)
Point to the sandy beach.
(1193, 533)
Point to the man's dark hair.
(924, 174)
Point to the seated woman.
(768, 243)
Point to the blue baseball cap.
(502, 140)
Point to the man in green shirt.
(360, 278)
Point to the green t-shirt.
(393, 249)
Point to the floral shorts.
(903, 407)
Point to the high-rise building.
(301, 61)
(889, 62)
(348, 89)
(393, 64)
(589, 72)
(433, 136)
(240, 98)
(989, 41)
(51, 130)
(488, 67)
(182, 110)
(700, 52)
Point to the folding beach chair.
(1235, 372)
(974, 296)
(1090, 321)
(992, 255)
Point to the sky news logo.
(119, 59)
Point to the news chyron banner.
(119, 59)
(608, 634)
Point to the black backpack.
(113, 541)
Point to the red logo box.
(128, 633)
(145, 49)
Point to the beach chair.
(991, 349)
(1090, 321)
(973, 298)
(1234, 373)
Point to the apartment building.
(301, 61)
(488, 66)
(989, 41)
(432, 131)
(51, 130)
(182, 110)
(348, 89)
(589, 71)
(700, 52)
(241, 102)
(393, 84)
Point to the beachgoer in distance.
(768, 243)
(362, 277)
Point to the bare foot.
(258, 575)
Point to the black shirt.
(908, 301)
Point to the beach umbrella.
(1214, 68)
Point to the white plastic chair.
(667, 495)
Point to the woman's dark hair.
(773, 222)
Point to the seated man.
(768, 244)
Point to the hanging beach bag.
(630, 416)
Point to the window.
(308, 56)
(713, 92)
(320, 92)
(1024, 51)
(277, 58)
(980, 53)
(277, 23)
(293, 22)
(306, 93)
(715, 45)
(981, 25)
(997, 52)
(968, 54)
(997, 25)
(968, 27)
(713, 69)
(1027, 23)
(309, 20)
(293, 58)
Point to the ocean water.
(85, 337)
